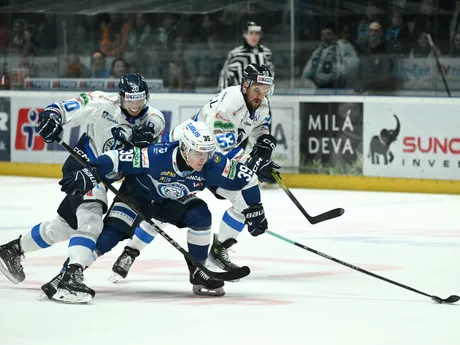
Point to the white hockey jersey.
(102, 113)
(228, 117)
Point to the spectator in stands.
(75, 69)
(376, 64)
(47, 34)
(330, 63)
(179, 79)
(115, 36)
(433, 22)
(397, 35)
(17, 40)
(372, 15)
(30, 43)
(423, 49)
(4, 33)
(118, 68)
(139, 34)
(454, 26)
(455, 52)
(99, 65)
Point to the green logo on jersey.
(217, 158)
(232, 173)
(137, 158)
(225, 125)
(85, 99)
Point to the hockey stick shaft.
(230, 275)
(337, 212)
(438, 65)
(451, 299)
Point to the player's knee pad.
(90, 223)
(123, 217)
(57, 230)
(198, 217)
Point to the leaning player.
(114, 121)
(162, 181)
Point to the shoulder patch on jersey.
(216, 158)
(84, 99)
(239, 109)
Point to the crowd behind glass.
(340, 47)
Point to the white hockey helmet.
(196, 137)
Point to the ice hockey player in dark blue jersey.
(162, 181)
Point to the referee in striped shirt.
(250, 52)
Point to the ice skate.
(204, 285)
(50, 288)
(124, 262)
(219, 253)
(71, 288)
(10, 261)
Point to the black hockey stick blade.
(448, 300)
(337, 212)
(233, 274)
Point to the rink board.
(324, 142)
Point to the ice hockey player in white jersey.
(234, 114)
(114, 121)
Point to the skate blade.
(201, 290)
(7, 273)
(115, 278)
(64, 296)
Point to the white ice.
(292, 296)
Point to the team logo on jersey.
(167, 173)
(172, 190)
(117, 142)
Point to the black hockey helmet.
(255, 73)
(133, 86)
(252, 27)
(133, 89)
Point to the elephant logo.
(380, 144)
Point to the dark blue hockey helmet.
(134, 92)
(255, 73)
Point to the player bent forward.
(162, 181)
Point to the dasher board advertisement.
(419, 140)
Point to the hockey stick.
(336, 212)
(450, 299)
(233, 274)
(438, 64)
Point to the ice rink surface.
(292, 296)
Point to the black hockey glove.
(263, 168)
(255, 219)
(79, 182)
(264, 146)
(50, 124)
(143, 135)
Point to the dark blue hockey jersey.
(158, 177)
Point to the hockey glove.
(264, 146)
(263, 168)
(143, 135)
(50, 124)
(79, 182)
(255, 219)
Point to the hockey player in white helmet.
(113, 121)
(161, 181)
(233, 115)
